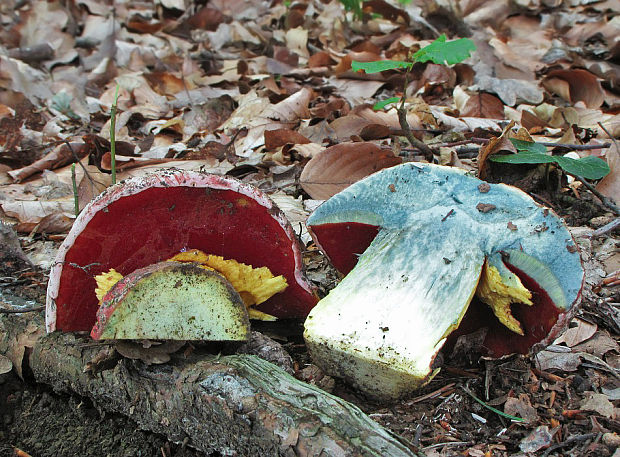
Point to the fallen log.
(237, 405)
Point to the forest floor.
(258, 90)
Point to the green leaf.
(354, 6)
(490, 408)
(441, 51)
(379, 65)
(588, 167)
(523, 158)
(528, 146)
(382, 104)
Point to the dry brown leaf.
(390, 117)
(599, 344)
(551, 360)
(483, 105)
(210, 165)
(500, 143)
(5, 364)
(32, 213)
(387, 10)
(206, 18)
(280, 137)
(578, 332)
(339, 166)
(320, 59)
(348, 126)
(521, 407)
(599, 403)
(576, 85)
(375, 132)
(610, 184)
(26, 339)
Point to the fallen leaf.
(539, 438)
(599, 403)
(31, 213)
(610, 184)
(599, 344)
(574, 86)
(483, 105)
(354, 91)
(60, 156)
(551, 360)
(339, 166)
(5, 364)
(280, 137)
(577, 332)
(25, 340)
(521, 407)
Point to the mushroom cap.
(414, 239)
(149, 219)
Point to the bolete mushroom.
(150, 219)
(179, 300)
(416, 243)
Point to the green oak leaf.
(382, 104)
(379, 65)
(441, 51)
(588, 167)
(528, 146)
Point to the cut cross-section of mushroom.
(147, 220)
(414, 241)
(172, 301)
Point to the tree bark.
(238, 405)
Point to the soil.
(43, 423)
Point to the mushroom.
(147, 220)
(417, 242)
(172, 300)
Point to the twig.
(613, 225)
(418, 434)
(606, 201)
(610, 136)
(404, 124)
(402, 118)
(568, 441)
(576, 147)
(434, 394)
(449, 443)
(78, 161)
(19, 311)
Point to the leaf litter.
(264, 91)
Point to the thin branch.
(610, 136)
(607, 227)
(606, 201)
(569, 441)
(404, 124)
(576, 147)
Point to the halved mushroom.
(418, 241)
(146, 220)
(172, 300)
